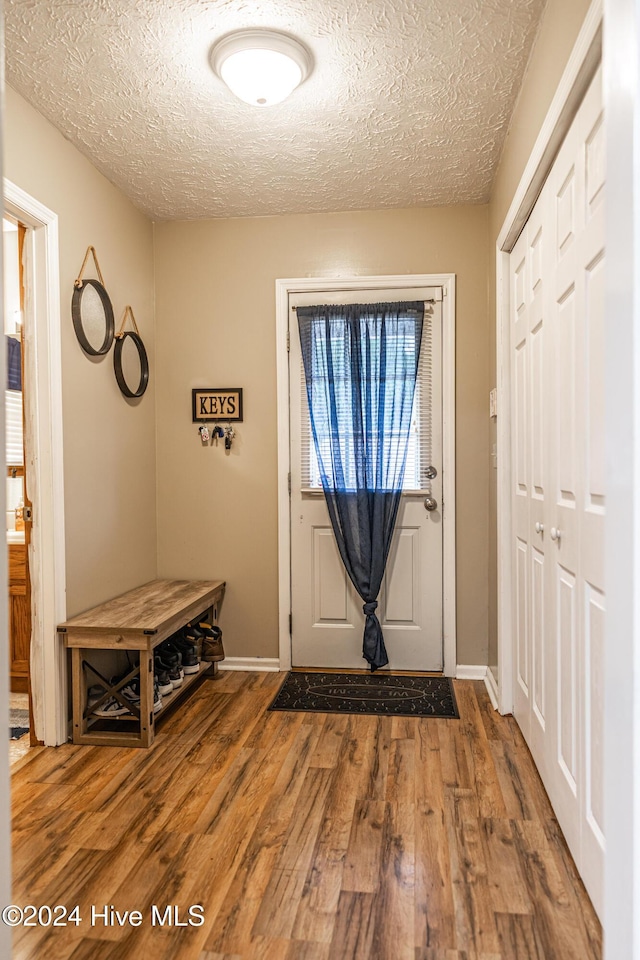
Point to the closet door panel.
(520, 397)
(594, 395)
(594, 158)
(565, 399)
(592, 506)
(522, 417)
(530, 365)
(567, 676)
(566, 428)
(566, 211)
(594, 728)
(538, 636)
(539, 244)
(538, 395)
(522, 615)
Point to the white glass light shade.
(260, 77)
(261, 67)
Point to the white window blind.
(419, 446)
(13, 414)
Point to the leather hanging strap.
(127, 312)
(90, 251)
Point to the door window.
(419, 452)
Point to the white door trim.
(584, 60)
(45, 466)
(309, 285)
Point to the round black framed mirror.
(92, 316)
(131, 364)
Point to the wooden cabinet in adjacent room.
(19, 617)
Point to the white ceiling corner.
(408, 104)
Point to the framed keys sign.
(210, 405)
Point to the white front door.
(557, 344)
(327, 617)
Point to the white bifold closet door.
(558, 493)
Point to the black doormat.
(367, 693)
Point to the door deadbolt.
(431, 473)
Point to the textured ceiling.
(408, 104)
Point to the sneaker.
(172, 658)
(187, 652)
(212, 649)
(194, 635)
(172, 670)
(131, 692)
(162, 677)
(111, 708)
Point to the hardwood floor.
(303, 836)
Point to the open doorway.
(18, 507)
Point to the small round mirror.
(92, 316)
(131, 364)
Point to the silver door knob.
(431, 473)
(555, 533)
(430, 503)
(539, 527)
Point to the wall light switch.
(493, 403)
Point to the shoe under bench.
(135, 622)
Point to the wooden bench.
(137, 622)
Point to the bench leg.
(146, 698)
(77, 691)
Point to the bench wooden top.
(148, 609)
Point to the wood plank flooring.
(303, 837)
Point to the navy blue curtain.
(360, 364)
(14, 363)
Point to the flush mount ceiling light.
(261, 67)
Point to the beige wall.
(109, 443)
(559, 29)
(215, 313)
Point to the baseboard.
(260, 664)
(471, 671)
(491, 684)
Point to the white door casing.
(44, 462)
(557, 347)
(398, 284)
(327, 617)
(622, 457)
